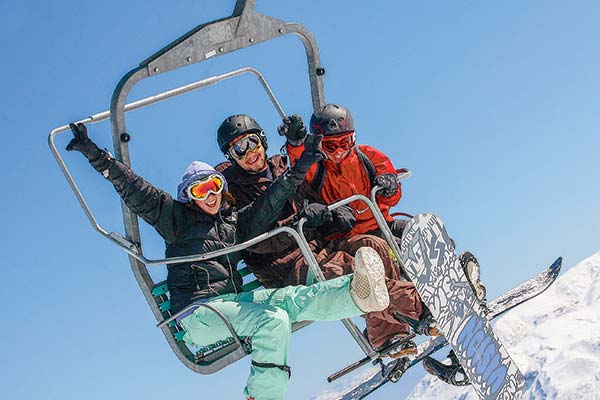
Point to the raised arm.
(152, 204)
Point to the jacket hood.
(197, 170)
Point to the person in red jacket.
(355, 169)
(350, 168)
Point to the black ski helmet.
(237, 125)
(331, 120)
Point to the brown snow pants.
(336, 258)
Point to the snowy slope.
(554, 339)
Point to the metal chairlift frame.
(244, 28)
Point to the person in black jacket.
(201, 220)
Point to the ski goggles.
(200, 190)
(240, 149)
(344, 142)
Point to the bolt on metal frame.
(244, 28)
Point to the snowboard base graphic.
(427, 254)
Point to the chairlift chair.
(242, 29)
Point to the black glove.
(82, 143)
(316, 215)
(343, 220)
(389, 184)
(293, 129)
(312, 154)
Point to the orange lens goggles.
(200, 190)
(331, 144)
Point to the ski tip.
(555, 267)
(558, 262)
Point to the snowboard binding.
(453, 374)
(402, 364)
(403, 349)
(472, 271)
(425, 325)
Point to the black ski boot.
(471, 268)
(425, 325)
(452, 374)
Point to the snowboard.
(427, 254)
(505, 302)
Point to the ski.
(505, 302)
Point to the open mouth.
(339, 155)
(211, 203)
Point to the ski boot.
(471, 268)
(452, 374)
(425, 325)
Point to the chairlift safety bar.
(114, 236)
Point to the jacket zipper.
(226, 255)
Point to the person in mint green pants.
(203, 219)
(266, 316)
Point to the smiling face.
(338, 147)
(211, 204)
(254, 158)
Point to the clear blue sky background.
(493, 105)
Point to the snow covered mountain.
(554, 339)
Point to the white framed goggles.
(201, 189)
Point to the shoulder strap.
(319, 179)
(368, 165)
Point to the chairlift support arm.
(242, 29)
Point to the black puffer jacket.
(187, 230)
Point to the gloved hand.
(342, 221)
(389, 184)
(312, 154)
(316, 215)
(82, 143)
(293, 129)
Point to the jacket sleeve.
(294, 153)
(154, 205)
(260, 215)
(383, 165)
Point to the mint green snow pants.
(266, 316)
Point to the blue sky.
(492, 105)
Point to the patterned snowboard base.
(428, 256)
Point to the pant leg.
(328, 300)
(404, 298)
(270, 329)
